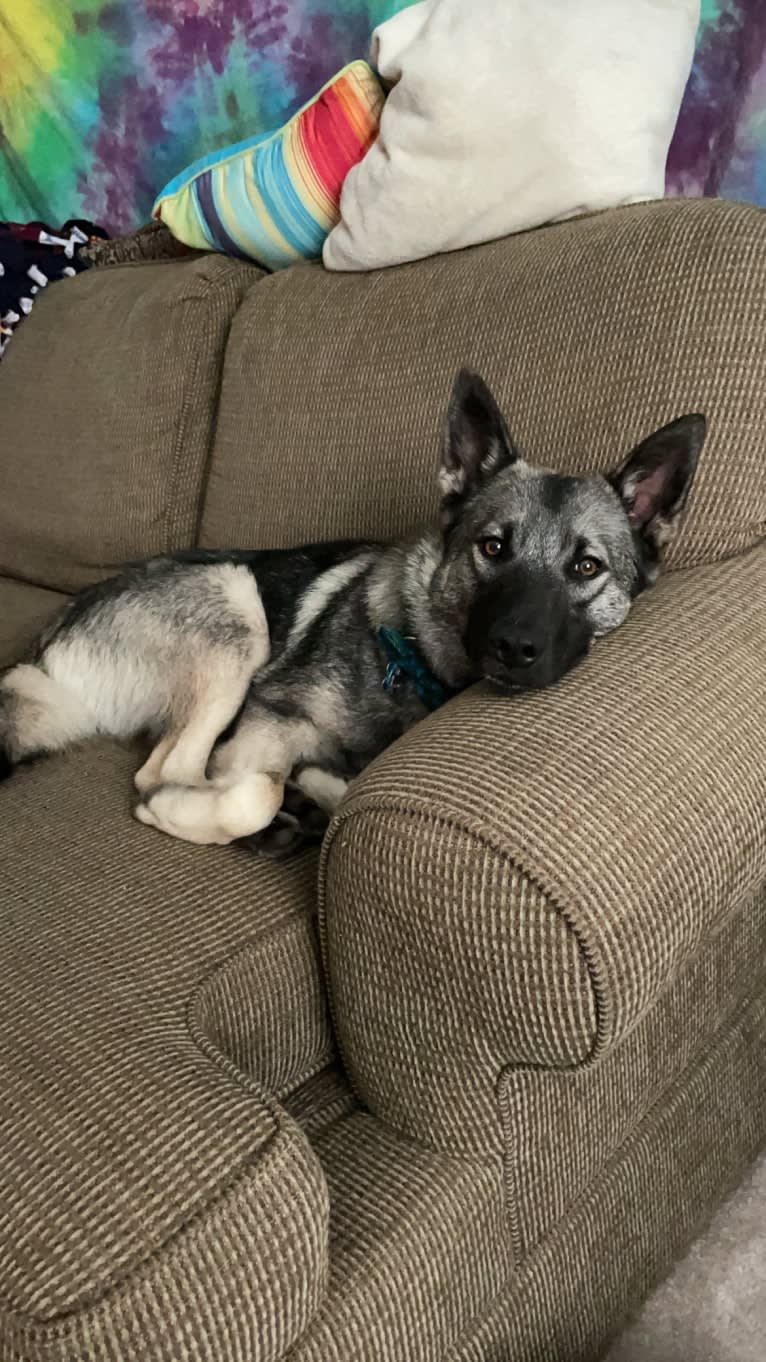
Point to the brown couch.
(476, 1114)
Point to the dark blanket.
(32, 256)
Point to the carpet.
(713, 1306)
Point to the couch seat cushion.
(419, 1245)
(152, 1189)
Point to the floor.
(713, 1307)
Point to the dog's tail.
(37, 715)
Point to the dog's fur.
(253, 669)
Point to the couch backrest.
(108, 396)
(151, 406)
(591, 332)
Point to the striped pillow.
(274, 198)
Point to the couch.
(463, 1085)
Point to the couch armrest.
(514, 883)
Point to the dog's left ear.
(476, 441)
(655, 480)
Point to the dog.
(267, 680)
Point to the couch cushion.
(274, 196)
(563, 85)
(591, 332)
(107, 400)
(24, 612)
(153, 1190)
(419, 1246)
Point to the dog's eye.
(492, 547)
(588, 566)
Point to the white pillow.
(506, 114)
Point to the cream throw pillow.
(505, 114)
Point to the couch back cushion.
(108, 396)
(592, 333)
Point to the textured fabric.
(592, 334)
(589, 1111)
(275, 197)
(106, 463)
(622, 1234)
(517, 880)
(153, 241)
(24, 611)
(324, 1098)
(418, 1246)
(156, 1201)
(278, 1034)
(566, 110)
(436, 986)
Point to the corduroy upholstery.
(543, 920)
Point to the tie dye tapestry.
(103, 101)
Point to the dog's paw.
(144, 814)
(216, 814)
(300, 823)
(250, 804)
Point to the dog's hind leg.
(38, 714)
(246, 785)
(230, 807)
(149, 776)
(187, 760)
(181, 758)
(217, 689)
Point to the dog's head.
(535, 564)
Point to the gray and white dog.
(256, 671)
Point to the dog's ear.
(655, 480)
(476, 441)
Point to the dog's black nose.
(515, 652)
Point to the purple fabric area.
(103, 101)
(719, 147)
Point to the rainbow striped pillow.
(274, 198)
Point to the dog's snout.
(515, 652)
(524, 635)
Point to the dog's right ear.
(476, 442)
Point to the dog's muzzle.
(526, 641)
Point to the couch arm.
(515, 882)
